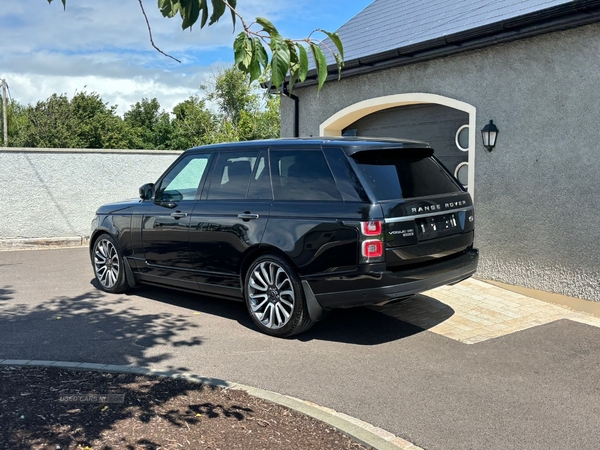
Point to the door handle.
(248, 216)
(178, 215)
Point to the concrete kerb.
(358, 430)
(43, 243)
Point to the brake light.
(371, 228)
(371, 242)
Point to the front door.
(166, 223)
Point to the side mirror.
(147, 191)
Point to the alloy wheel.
(106, 263)
(272, 297)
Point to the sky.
(103, 46)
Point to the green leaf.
(293, 54)
(294, 65)
(204, 7)
(233, 4)
(280, 59)
(254, 70)
(321, 63)
(239, 47)
(259, 53)
(267, 26)
(218, 11)
(303, 62)
(249, 52)
(169, 8)
(336, 40)
(192, 12)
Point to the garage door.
(444, 128)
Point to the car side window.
(302, 175)
(182, 182)
(230, 178)
(347, 182)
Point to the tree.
(95, 125)
(193, 124)
(50, 124)
(240, 111)
(151, 126)
(16, 123)
(264, 124)
(232, 109)
(246, 112)
(287, 57)
(85, 121)
(232, 92)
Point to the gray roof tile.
(386, 25)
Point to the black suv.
(293, 227)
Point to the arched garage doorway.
(447, 124)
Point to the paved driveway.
(464, 367)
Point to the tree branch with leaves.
(259, 47)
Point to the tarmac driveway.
(464, 367)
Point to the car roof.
(350, 145)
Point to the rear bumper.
(372, 288)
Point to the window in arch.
(462, 173)
(462, 138)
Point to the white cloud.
(104, 46)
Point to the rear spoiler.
(391, 154)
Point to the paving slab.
(474, 311)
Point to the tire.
(109, 267)
(275, 298)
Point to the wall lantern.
(489, 134)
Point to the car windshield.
(399, 174)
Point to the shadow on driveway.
(115, 329)
(90, 327)
(6, 293)
(362, 326)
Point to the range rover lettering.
(292, 227)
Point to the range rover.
(292, 227)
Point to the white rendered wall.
(54, 193)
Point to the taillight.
(371, 228)
(372, 248)
(371, 241)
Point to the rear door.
(310, 207)
(427, 214)
(229, 219)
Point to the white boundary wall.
(54, 193)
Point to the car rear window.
(393, 174)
